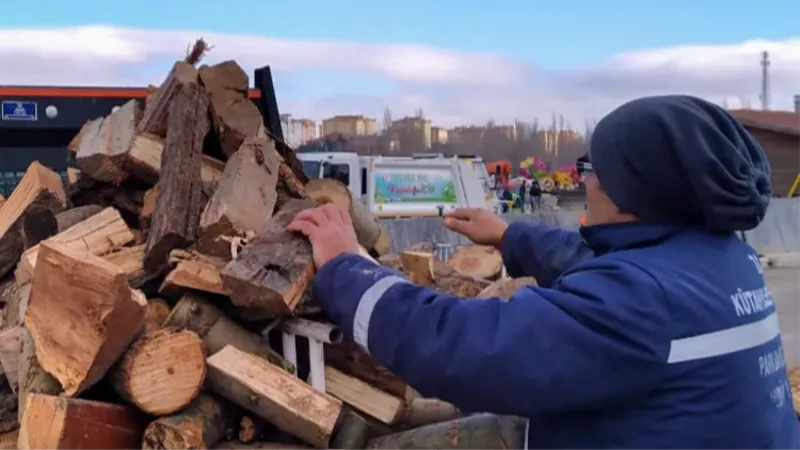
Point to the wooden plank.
(274, 395)
(363, 397)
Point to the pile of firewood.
(142, 292)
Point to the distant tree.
(419, 114)
(387, 119)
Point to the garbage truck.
(407, 186)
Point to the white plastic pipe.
(327, 333)
(289, 348)
(316, 362)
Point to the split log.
(157, 313)
(275, 268)
(445, 279)
(204, 423)
(367, 227)
(71, 423)
(148, 208)
(425, 411)
(218, 331)
(162, 371)
(105, 142)
(272, 394)
(143, 160)
(32, 378)
(39, 186)
(177, 212)
(477, 261)
(244, 200)
(70, 217)
(155, 117)
(234, 445)
(97, 235)
(250, 428)
(77, 341)
(478, 431)
(9, 355)
(8, 440)
(419, 267)
(193, 271)
(363, 397)
(349, 358)
(353, 431)
(8, 407)
(506, 287)
(235, 117)
(16, 297)
(131, 261)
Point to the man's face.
(599, 207)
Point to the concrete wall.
(779, 230)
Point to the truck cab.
(420, 185)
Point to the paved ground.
(785, 287)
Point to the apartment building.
(412, 127)
(439, 136)
(349, 125)
(297, 131)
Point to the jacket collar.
(623, 236)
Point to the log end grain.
(163, 371)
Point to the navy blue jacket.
(645, 336)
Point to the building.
(438, 136)
(297, 131)
(778, 132)
(414, 131)
(349, 125)
(465, 134)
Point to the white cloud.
(451, 87)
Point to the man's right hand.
(481, 226)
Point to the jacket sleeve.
(541, 251)
(597, 339)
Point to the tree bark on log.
(205, 422)
(485, 431)
(275, 268)
(244, 200)
(162, 371)
(217, 330)
(348, 357)
(70, 217)
(97, 235)
(506, 288)
(156, 115)
(32, 378)
(10, 340)
(39, 186)
(52, 422)
(176, 217)
(235, 117)
(367, 227)
(105, 143)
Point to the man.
(651, 328)
(535, 195)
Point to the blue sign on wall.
(20, 110)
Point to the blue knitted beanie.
(682, 160)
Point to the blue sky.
(521, 58)
(554, 34)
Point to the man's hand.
(481, 226)
(329, 229)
